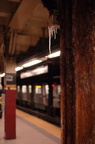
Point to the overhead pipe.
(11, 41)
(14, 43)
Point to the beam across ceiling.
(22, 14)
(4, 14)
(15, 0)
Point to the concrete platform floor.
(31, 130)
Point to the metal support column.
(10, 100)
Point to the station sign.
(10, 78)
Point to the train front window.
(38, 89)
(24, 89)
(30, 89)
(56, 96)
(18, 88)
(56, 91)
(46, 89)
(58, 87)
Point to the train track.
(40, 115)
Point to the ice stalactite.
(52, 33)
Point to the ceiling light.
(2, 75)
(18, 68)
(32, 63)
(55, 54)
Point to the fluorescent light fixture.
(32, 63)
(2, 75)
(55, 54)
(37, 71)
(18, 68)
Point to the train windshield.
(30, 89)
(24, 89)
(38, 89)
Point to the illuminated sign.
(37, 71)
(38, 86)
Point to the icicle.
(49, 39)
(52, 32)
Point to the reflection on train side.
(56, 100)
(38, 96)
(56, 96)
(41, 96)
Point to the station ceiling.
(22, 24)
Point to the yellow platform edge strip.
(10, 86)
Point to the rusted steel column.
(84, 44)
(68, 99)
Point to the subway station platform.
(31, 130)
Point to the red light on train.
(53, 85)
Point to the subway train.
(38, 90)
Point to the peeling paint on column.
(77, 64)
(84, 42)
